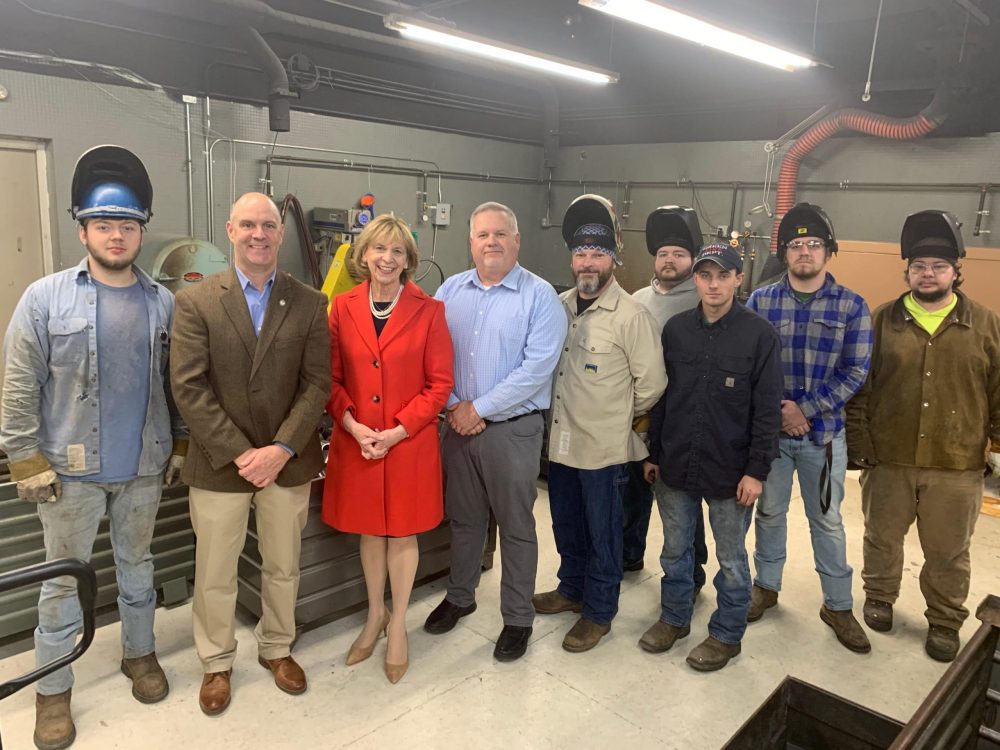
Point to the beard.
(808, 273)
(672, 275)
(592, 287)
(113, 264)
(933, 296)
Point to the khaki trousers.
(945, 504)
(220, 524)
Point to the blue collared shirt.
(256, 299)
(507, 341)
(826, 346)
(51, 394)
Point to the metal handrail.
(87, 592)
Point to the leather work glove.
(40, 488)
(993, 462)
(172, 474)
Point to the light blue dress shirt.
(256, 299)
(507, 341)
(257, 303)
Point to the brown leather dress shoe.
(288, 675)
(215, 693)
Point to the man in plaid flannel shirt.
(826, 342)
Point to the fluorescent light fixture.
(669, 21)
(422, 31)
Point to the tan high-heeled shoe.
(359, 653)
(394, 672)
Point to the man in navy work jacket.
(713, 437)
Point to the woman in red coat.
(391, 360)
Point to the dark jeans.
(586, 506)
(638, 506)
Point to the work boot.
(149, 684)
(712, 654)
(760, 599)
(54, 728)
(847, 628)
(552, 602)
(662, 636)
(942, 643)
(878, 615)
(584, 635)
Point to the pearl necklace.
(383, 314)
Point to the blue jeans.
(826, 529)
(638, 506)
(679, 511)
(70, 525)
(586, 506)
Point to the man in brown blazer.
(250, 370)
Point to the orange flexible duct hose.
(882, 126)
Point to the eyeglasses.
(796, 245)
(922, 268)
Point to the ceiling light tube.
(669, 21)
(442, 36)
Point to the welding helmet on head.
(805, 220)
(932, 233)
(111, 182)
(591, 221)
(673, 225)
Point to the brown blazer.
(237, 392)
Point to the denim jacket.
(50, 406)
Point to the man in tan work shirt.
(610, 371)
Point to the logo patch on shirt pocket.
(730, 382)
(590, 368)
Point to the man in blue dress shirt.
(508, 328)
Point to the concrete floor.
(456, 695)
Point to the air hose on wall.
(870, 123)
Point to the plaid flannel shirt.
(826, 346)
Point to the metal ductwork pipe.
(895, 128)
(279, 94)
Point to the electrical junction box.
(332, 219)
(440, 214)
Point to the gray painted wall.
(75, 115)
(857, 214)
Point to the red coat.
(402, 377)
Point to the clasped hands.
(464, 419)
(793, 421)
(375, 444)
(261, 466)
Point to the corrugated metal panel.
(332, 583)
(22, 544)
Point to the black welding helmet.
(111, 182)
(591, 221)
(673, 225)
(805, 220)
(932, 233)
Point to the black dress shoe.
(631, 566)
(512, 643)
(445, 616)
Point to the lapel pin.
(281, 302)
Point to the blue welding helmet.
(111, 182)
